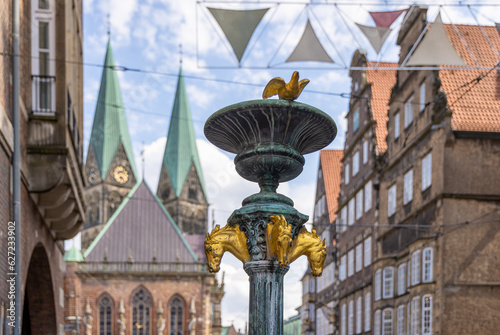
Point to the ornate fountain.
(269, 138)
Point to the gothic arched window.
(176, 317)
(141, 313)
(105, 315)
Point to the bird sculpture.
(287, 91)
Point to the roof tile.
(331, 165)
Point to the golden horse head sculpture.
(309, 244)
(229, 238)
(279, 239)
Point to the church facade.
(142, 269)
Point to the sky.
(150, 34)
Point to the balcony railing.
(44, 95)
(142, 267)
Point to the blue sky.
(147, 34)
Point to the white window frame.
(343, 268)
(409, 111)
(415, 268)
(368, 196)
(350, 263)
(408, 318)
(351, 209)
(415, 311)
(400, 328)
(391, 200)
(422, 96)
(359, 315)
(376, 322)
(427, 263)
(402, 279)
(387, 320)
(367, 259)
(408, 275)
(365, 151)
(426, 171)
(343, 320)
(368, 303)
(427, 314)
(396, 126)
(343, 219)
(359, 204)
(408, 187)
(355, 163)
(377, 285)
(388, 282)
(359, 257)
(350, 318)
(347, 173)
(37, 16)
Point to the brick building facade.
(51, 115)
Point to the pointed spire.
(110, 129)
(181, 151)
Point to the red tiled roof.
(382, 83)
(479, 108)
(331, 165)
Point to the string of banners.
(241, 30)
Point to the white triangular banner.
(376, 35)
(435, 48)
(238, 26)
(309, 48)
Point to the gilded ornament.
(120, 174)
(229, 238)
(279, 239)
(287, 91)
(310, 245)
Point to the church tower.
(181, 188)
(110, 168)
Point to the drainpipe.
(16, 161)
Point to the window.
(415, 268)
(365, 152)
(351, 212)
(312, 282)
(388, 280)
(355, 163)
(176, 317)
(368, 251)
(343, 219)
(408, 319)
(426, 171)
(368, 196)
(377, 282)
(427, 314)
(387, 322)
(400, 328)
(427, 265)
(359, 204)
(422, 97)
(359, 313)
(401, 279)
(343, 320)
(415, 311)
(408, 112)
(376, 322)
(408, 277)
(391, 202)
(350, 322)
(105, 315)
(350, 263)
(346, 173)
(396, 126)
(408, 187)
(355, 120)
(342, 268)
(359, 257)
(141, 312)
(305, 286)
(368, 303)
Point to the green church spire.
(110, 129)
(181, 151)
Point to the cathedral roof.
(110, 129)
(140, 230)
(181, 151)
